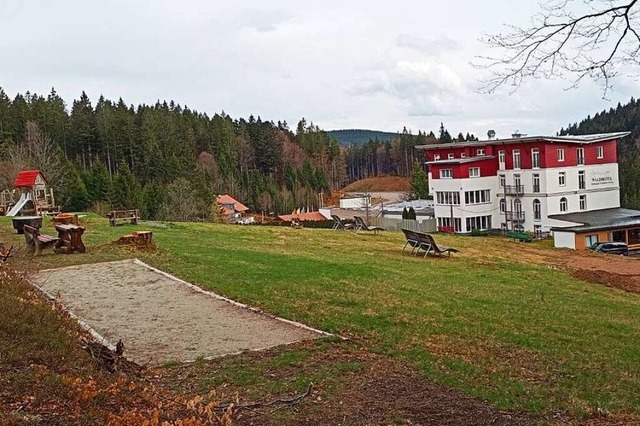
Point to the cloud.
(428, 88)
(430, 46)
(263, 21)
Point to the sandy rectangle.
(160, 318)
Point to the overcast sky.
(341, 64)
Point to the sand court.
(161, 318)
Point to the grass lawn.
(514, 332)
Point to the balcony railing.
(515, 215)
(514, 189)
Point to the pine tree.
(419, 182)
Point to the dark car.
(611, 248)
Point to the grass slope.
(522, 335)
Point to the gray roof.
(599, 219)
(577, 139)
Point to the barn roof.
(27, 178)
(228, 199)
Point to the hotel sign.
(600, 178)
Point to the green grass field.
(521, 335)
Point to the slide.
(24, 199)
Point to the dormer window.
(451, 156)
(480, 151)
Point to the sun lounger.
(412, 240)
(362, 226)
(339, 223)
(439, 250)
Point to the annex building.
(524, 183)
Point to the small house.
(231, 208)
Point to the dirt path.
(162, 319)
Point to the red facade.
(548, 156)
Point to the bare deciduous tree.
(38, 151)
(577, 39)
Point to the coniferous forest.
(170, 161)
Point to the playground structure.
(34, 196)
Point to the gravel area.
(161, 318)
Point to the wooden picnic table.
(72, 236)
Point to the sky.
(340, 64)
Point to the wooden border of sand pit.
(105, 342)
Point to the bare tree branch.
(592, 39)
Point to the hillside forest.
(170, 161)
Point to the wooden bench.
(520, 236)
(131, 216)
(38, 242)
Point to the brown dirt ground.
(382, 391)
(380, 184)
(613, 271)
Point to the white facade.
(560, 190)
(355, 202)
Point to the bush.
(479, 233)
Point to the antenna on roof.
(517, 134)
(491, 134)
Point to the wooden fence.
(391, 224)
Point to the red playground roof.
(26, 178)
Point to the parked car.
(611, 247)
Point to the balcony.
(514, 189)
(515, 216)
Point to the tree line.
(170, 161)
(165, 158)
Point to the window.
(618, 236)
(581, 181)
(447, 223)
(501, 159)
(503, 181)
(516, 159)
(517, 181)
(600, 152)
(537, 230)
(562, 178)
(537, 210)
(563, 204)
(517, 205)
(590, 240)
(474, 172)
(480, 151)
(436, 157)
(503, 205)
(535, 158)
(580, 156)
(445, 174)
(583, 202)
(451, 156)
(477, 197)
(463, 155)
(448, 197)
(560, 154)
(479, 222)
(536, 182)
